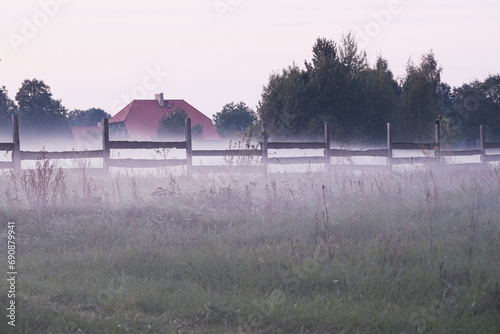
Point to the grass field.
(337, 252)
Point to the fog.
(309, 165)
(168, 249)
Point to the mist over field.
(237, 166)
(407, 250)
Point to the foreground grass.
(341, 252)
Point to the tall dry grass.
(339, 252)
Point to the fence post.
(389, 145)
(189, 145)
(481, 143)
(264, 147)
(16, 150)
(327, 146)
(437, 149)
(105, 145)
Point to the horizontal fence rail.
(146, 163)
(413, 146)
(6, 146)
(6, 164)
(412, 160)
(462, 153)
(297, 160)
(146, 145)
(491, 145)
(259, 157)
(241, 169)
(26, 155)
(296, 145)
(358, 153)
(226, 153)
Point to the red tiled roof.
(141, 118)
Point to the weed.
(473, 222)
(44, 184)
(244, 144)
(291, 253)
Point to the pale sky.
(105, 53)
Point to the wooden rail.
(263, 152)
(146, 145)
(146, 163)
(6, 146)
(358, 153)
(296, 145)
(226, 153)
(27, 155)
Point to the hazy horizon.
(210, 53)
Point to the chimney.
(159, 98)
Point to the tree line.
(339, 86)
(42, 115)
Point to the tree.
(172, 125)
(354, 60)
(382, 100)
(337, 86)
(420, 99)
(39, 113)
(326, 80)
(478, 103)
(284, 105)
(296, 102)
(234, 119)
(7, 109)
(89, 117)
(352, 93)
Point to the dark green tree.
(39, 113)
(326, 81)
(382, 100)
(7, 109)
(234, 119)
(296, 102)
(352, 92)
(420, 99)
(89, 117)
(172, 126)
(284, 105)
(337, 86)
(354, 60)
(478, 103)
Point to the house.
(139, 120)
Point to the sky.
(105, 53)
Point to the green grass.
(342, 252)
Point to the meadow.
(401, 251)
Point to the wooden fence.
(435, 153)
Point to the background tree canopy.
(39, 114)
(89, 117)
(172, 126)
(357, 99)
(477, 103)
(234, 119)
(420, 99)
(7, 109)
(337, 85)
